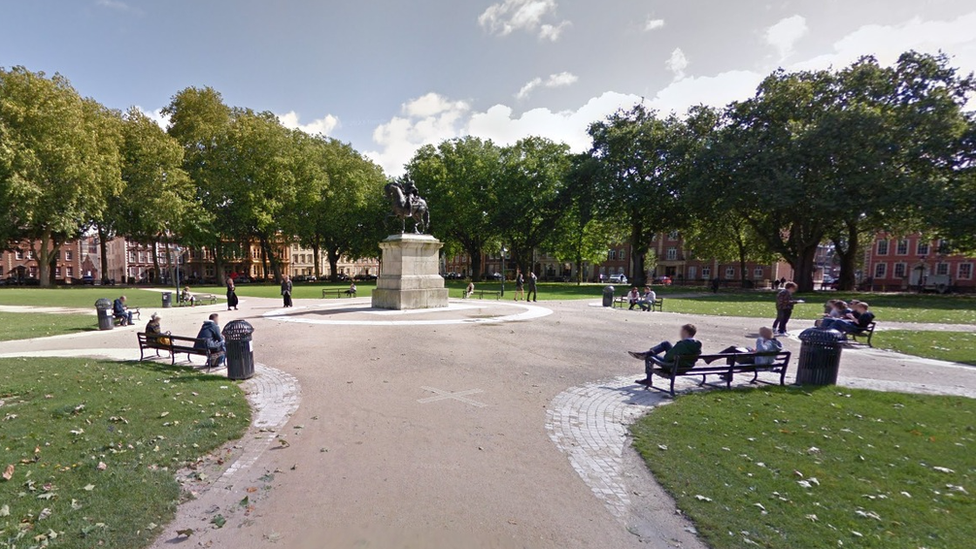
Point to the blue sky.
(391, 75)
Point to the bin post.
(608, 292)
(240, 349)
(104, 308)
(819, 357)
(167, 300)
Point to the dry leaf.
(8, 473)
(101, 466)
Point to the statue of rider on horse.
(407, 203)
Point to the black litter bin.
(819, 357)
(104, 308)
(240, 349)
(167, 300)
(608, 296)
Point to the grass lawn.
(26, 326)
(77, 297)
(952, 346)
(92, 447)
(888, 307)
(798, 468)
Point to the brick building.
(303, 264)
(915, 261)
(74, 261)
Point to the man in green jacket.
(682, 355)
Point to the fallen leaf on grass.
(101, 466)
(812, 518)
(44, 514)
(5, 511)
(700, 497)
(943, 470)
(8, 473)
(89, 487)
(244, 502)
(867, 514)
(184, 533)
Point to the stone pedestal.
(409, 276)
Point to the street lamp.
(504, 251)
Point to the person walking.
(784, 307)
(286, 288)
(532, 293)
(232, 299)
(519, 284)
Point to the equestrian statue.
(407, 203)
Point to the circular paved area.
(441, 435)
(358, 312)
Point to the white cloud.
(714, 91)
(557, 80)
(677, 63)
(323, 126)
(509, 16)
(653, 24)
(428, 119)
(156, 116)
(785, 34)
(113, 5)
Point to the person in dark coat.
(532, 294)
(120, 311)
(286, 290)
(209, 337)
(682, 355)
(232, 299)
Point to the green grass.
(951, 346)
(62, 418)
(884, 470)
(77, 297)
(28, 326)
(887, 307)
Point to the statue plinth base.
(409, 276)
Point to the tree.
(460, 179)
(582, 235)
(345, 217)
(57, 159)
(531, 185)
(641, 157)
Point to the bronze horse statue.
(408, 206)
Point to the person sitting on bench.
(120, 311)
(646, 302)
(688, 348)
(352, 289)
(470, 290)
(154, 331)
(851, 325)
(210, 337)
(766, 343)
(633, 297)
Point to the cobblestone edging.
(274, 396)
(589, 424)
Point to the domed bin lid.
(237, 330)
(817, 335)
(103, 303)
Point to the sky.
(391, 75)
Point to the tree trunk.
(742, 263)
(474, 252)
(333, 264)
(804, 266)
(218, 258)
(103, 248)
(637, 275)
(272, 258)
(43, 257)
(315, 258)
(848, 258)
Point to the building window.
(672, 254)
(729, 273)
(757, 272)
(883, 247)
(30, 254)
(965, 271)
(673, 235)
(57, 272)
(68, 255)
(19, 255)
(900, 270)
(902, 248)
(922, 248)
(942, 269)
(706, 273)
(132, 257)
(612, 256)
(622, 255)
(70, 271)
(692, 271)
(881, 270)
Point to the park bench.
(622, 301)
(482, 293)
(866, 333)
(339, 292)
(197, 299)
(177, 345)
(723, 364)
(118, 319)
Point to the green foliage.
(93, 446)
(789, 467)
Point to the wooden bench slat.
(174, 348)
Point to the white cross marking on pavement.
(459, 396)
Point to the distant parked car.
(364, 277)
(618, 279)
(663, 280)
(497, 276)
